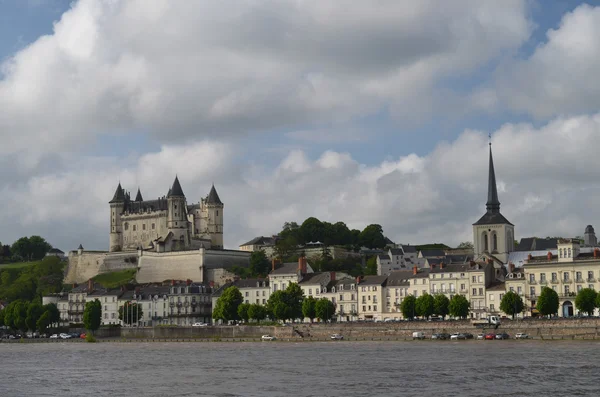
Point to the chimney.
(357, 279)
(529, 257)
(273, 264)
(188, 282)
(332, 276)
(549, 255)
(511, 267)
(172, 282)
(415, 270)
(90, 285)
(304, 265)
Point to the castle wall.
(218, 276)
(226, 259)
(91, 263)
(141, 229)
(178, 265)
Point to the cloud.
(559, 78)
(190, 69)
(546, 176)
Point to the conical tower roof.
(138, 196)
(119, 195)
(176, 190)
(493, 204)
(213, 196)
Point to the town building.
(344, 296)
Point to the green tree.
(547, 303)
(34, 312)
(92, 315)
(226, 308)
(21, 248)
(408, 307)
(440, 305)
(294, 298)
(259, 264)
(2, 313)
(20, 315)
(242, 311)
(465, 245)
(281, 311)
(372, 237)
(53, 312)
(277, 306)
(43, 322)
(313, 230)
(285, 247)
(309, 308)
(586, 301)
(324, 309)
(130, 312)
(371, 268)
(38, 247)
(257, 312)
(511, 304)
(459, 306)
(424, 305)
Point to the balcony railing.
(567, 281)
(579, 280)
(543, 282)
(591, 280)
(532, 282)
(554, 281)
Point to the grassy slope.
(115, 279)
(17, 265)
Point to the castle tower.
(589, 237)
(214, 209)
(177, 222)
(493, 234)
(117, 206)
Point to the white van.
(418, 335)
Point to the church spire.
(138, 196)
(493, 204)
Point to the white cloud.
(547, 174)
(559, 78)
(185, 69)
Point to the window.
(578, 276)
(217, 212)
(501, 296)
(106, 315)
(554, 277)
(375, 288)
(474, 291)
(274, 287)
(560, 253)
(590, 276)
(474, 279)
(153, 226)
(567, 290)
(591, 286)
(112, 315)
(566, 276)
(481, 291)
(341, 297)
(495, 242)
(134, 228)
(263, 294)
(532, 278)
(442, 275)
(579, 288)
(126, 225)
(144, 226)
(492, 308)
(310, 291)
(462, 287)
(479, 279)
(512, 289)
(491, 297)
(257, 293)
(375, 308)
(543, 277)
(569, 251)
(532, 291)
(462, 275)
(364, 308)
(264, 301)
(423, 281)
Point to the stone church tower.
(493, 234)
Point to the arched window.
(485, 242)
(494, 242)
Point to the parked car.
(268, 337)
(54, 336)
(440, 336)
(468, 335)
(521, 335)
(337, 337)
(480, 336)
(74, 335)
(82, 336)
(64, 336)
(456, 336)
(490, 336)
(418, 335)
(503, 335)
(199, 325)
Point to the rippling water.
(471, 368)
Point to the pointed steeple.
(176, 189)
(119, 195)
(493, 204)
(213, 196)
(138, 196)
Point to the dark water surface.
(465, 368)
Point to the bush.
(90, 338)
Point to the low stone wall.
(226, 332)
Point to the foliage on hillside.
(115, 279)
(24, 249)
(33, 281)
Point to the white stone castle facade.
(165, 224)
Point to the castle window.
(144, 226)
(126, 225)
(153, 226)
(217, 212)
(175, 206)
(495, 242)
(134, 228)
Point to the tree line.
(427, 305)
(283, 305)
(24, 249)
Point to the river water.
(424, 368)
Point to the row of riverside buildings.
(495, 266)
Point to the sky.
(378, 112)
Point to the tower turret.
(117, 206)
(177, 222)
(214, 208)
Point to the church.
(165, 224)
(493, 234)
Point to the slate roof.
(432, 253)
(260, 240)
(409, 249)
(399, 278)
(119, 195)
(138, 196)
(383, 257)
(493, 219)
(213, 197)
(286, 268)
(396, 251)
(55, 251)
(251, 283)
(373, 280)
(346, 282)
(537, 244)
(176, 190)
(314, 278)
(497, 287)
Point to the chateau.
(165, 224)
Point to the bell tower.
(493, 234)
(117, 206)
(214, 209)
